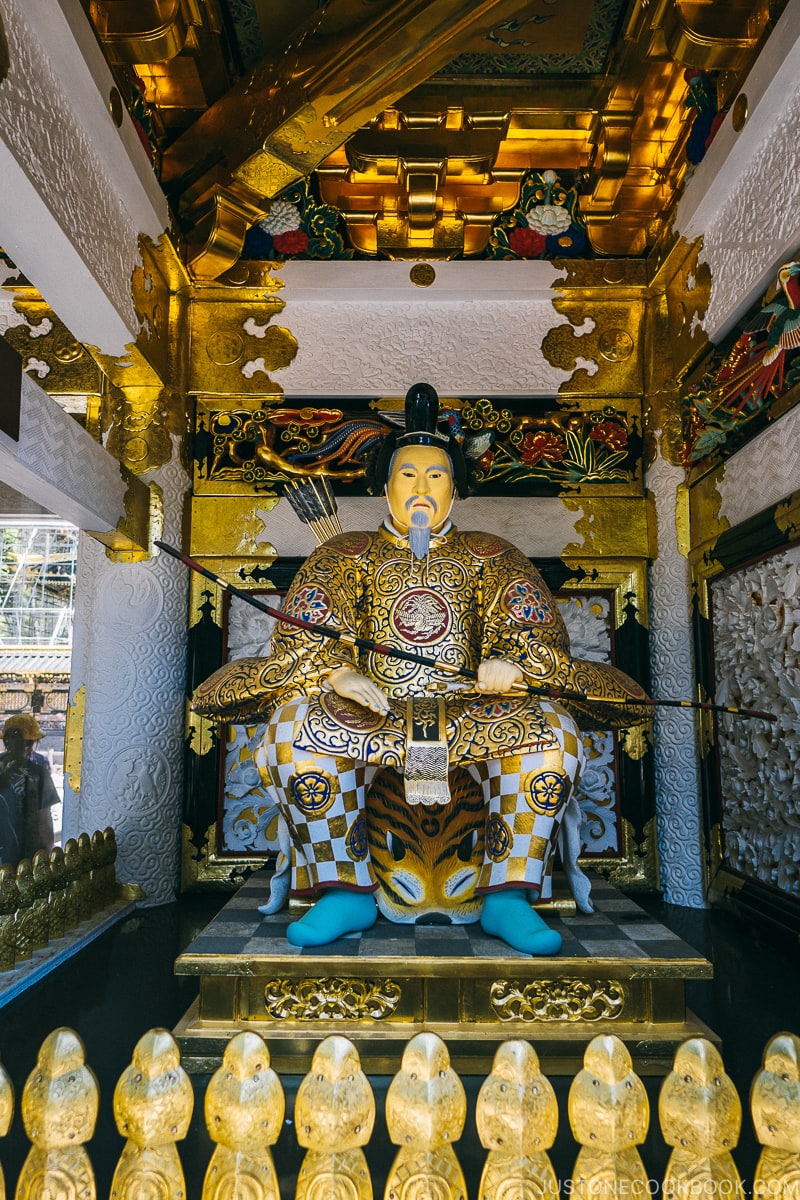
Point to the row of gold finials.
(44, 897)
(699, 1112)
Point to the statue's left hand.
(498, 675)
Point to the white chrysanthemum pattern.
(756, 623)
(282, 218)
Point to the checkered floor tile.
(618, 928)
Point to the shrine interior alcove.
(232, 235)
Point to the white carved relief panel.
(677, 787)
(756, 223)
(49, 140)
(130, 653)
(249, 819)
(469, 347)
(755, 614)
(763, 472)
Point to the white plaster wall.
(130, 653)
(540, 525)
(755, 614)
(744, 198)
(470, 347)
(74, 192)
(677, 785)
(763, 472)
(52, 460)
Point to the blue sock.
(337, 912)
(509, 916)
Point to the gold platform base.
(619, 972)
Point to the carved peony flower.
(282, 218)
(526, 242)
(610, 433)
(537, 446)
(294, 241)
(548, 219)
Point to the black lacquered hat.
(421, 429)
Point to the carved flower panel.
(756, 625)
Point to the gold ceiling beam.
(624, 135)
(284, 119)
(144, 31)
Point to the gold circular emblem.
(613, 272)
(616, 345)
(67, 350)
(739, 112)
(421, 616)
(422, 274)
(237, 275)
(135, 450)
(224, 349)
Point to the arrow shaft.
(350, 639)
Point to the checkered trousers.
(526, 795)
(322, 799)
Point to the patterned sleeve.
(325, 590)
(523, 624)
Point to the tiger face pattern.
(426, 860)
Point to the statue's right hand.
(354, 686)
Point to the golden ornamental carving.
(59, 1111)
(426, 1108)
(637, 741)
(235, 347)
(517, 1119)
(701, 1116)
(604, 332)
(331, 997)
(609, 1114)
(153, 1103)
(787, 515)
(557, 1000)
(334, 1116)
(775, 1107)
(244, 1111)
(335, 1107)
(61, 366)
(73, 739)
(6, 1113)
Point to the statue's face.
(420, 487)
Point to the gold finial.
(775, 1106)
(9, 900)
(59, 1110)
(334, 1116)
(701, 1116)
(244, 1111)
(517, 1119)
(58, 893)
(609, 1115)
(153, 1104)
(425, 1112)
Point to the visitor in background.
(27, 792)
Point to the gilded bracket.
(73, 739)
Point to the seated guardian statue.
(335, 715)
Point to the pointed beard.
(419, 534)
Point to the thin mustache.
(430, 500)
